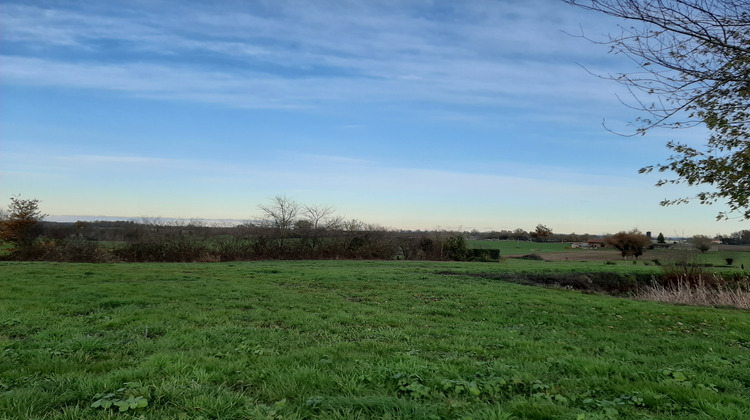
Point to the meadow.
(355, 339)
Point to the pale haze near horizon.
(413, 115)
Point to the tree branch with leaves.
(693, 60)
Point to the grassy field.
(355, 339)
(561, 251)
(520, 247)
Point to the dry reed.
(710, 292)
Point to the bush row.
(365, 245)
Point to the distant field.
(520, 247)
(355, 339)
(557, 251)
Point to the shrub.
(177, 250)
(484, 255)
(702, 243)
(455, 248)
(78, 251)
(233, 249)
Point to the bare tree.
(281, 213)
(694, 60)
(317, 214)
(352, 225)
(319, 219)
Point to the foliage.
(630, 244)
(694, 57)
(455, 248)
(20, 222)
(660, 238)
(701, 242)
(73, 250)
(541, 233)
(483, 255)
(124, 399)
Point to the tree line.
(285, 229)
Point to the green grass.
(713, 258)
(718, 258)
(520, 247)
(348, 339)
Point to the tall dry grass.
(711, 291)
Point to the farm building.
(592, 243)
(596, 243)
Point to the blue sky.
(407, 114)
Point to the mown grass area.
(354, 339)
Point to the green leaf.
(679, 376)
(122, 405)
(559, 398)
(612, 413)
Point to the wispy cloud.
(471, 110)
(485, 54)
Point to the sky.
(406, 114)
